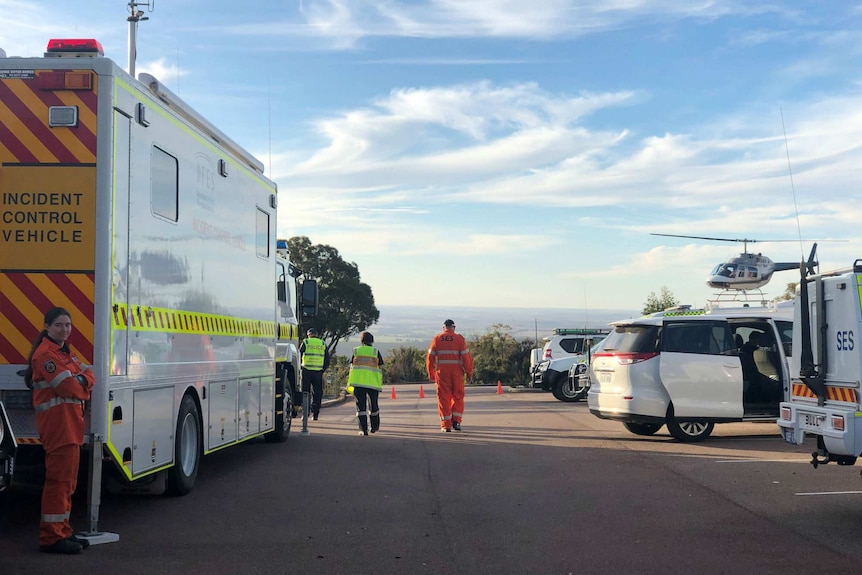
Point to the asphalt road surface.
(531, 485)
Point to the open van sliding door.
(700, 369)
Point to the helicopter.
(749, 271)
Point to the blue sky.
(519, 153)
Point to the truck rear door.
(700, 370)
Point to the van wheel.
(689, 431)
(567, 390)
(187, 448)
(642, 428)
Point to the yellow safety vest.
(365, 370)
(312, 357)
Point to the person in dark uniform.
(365, 381)
(315, 360)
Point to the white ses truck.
(157, 232)
(827, 367)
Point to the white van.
(692, 369)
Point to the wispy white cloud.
(344, 24)
(167, 73)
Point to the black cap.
(449, 323)
(312, 331)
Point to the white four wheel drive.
(565, 348)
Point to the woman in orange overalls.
(61, 384)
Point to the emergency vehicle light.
(75, 45)
(66, 81)
(580, 331)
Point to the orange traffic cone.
(393, 393)
(499, 387)
(421, 392)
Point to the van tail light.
(785, 413)
(627, 358)
(838, 422)
(547, 354)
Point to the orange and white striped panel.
(832, 392)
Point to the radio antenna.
(792, 187)
(136, 16)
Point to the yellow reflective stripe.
(164, 320)
(449, 362)
(54, 517)
(448, 352)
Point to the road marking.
(832, 493)
(763, 461)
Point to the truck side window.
(261, 234)
(281, 284)
(164, 193)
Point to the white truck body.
(158, 234)
(826, 368)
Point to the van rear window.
(633, 339)
(572, 345)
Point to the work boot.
(446, 429)
(456, 425)
(82, 541)
(63, 546)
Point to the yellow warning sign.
(47, 217)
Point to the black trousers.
(313, 382)
(364, 396)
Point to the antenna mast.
(136, 16)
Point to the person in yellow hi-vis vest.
(364, 381)
(315, 360)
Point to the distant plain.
(414, 326)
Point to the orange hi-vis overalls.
(58, 398)
(447, 362)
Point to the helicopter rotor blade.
(707, 238)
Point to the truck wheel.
(689, 431)
(567, 390)
(283, 407)
(187, 448)
(642, 428)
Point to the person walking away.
(447, 362)
(364, 381)
(315, 360)
(61, 384)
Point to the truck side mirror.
(308, 300)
